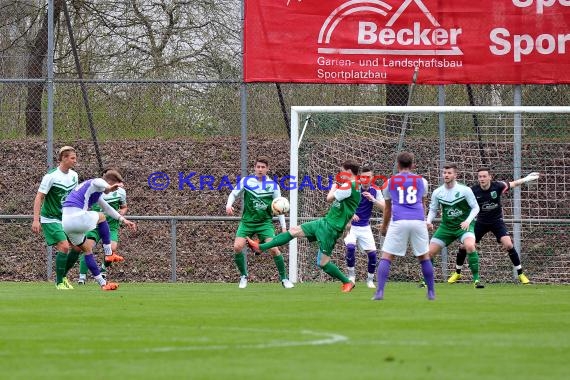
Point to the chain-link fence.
(158, 89)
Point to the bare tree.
(160, 39)
(169, 39)
(35, 67)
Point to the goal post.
(374, 134)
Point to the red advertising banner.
(374, 41)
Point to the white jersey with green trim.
(56, 185)
(456, 204)
(257, 199)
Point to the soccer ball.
(280, 206)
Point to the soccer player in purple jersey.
(77, 220)
(403, 222)
(360, 234)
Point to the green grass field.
(217, 331)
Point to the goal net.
(512, 141)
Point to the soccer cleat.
(110, 286)
(66, 283)
(81, 281)
(431, 295)
(378, 296)
(347, 288)
(114, 258)
(61, 286)
(287, 284)
(253, 244)
(352, 279)
(242, 282)
(453, 278)
(478, 284)
(370, 284)
(524, 279)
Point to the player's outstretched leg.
(253, 244)
(279, 240)
(114, 258)
(105, 233)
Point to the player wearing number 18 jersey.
(404, 206)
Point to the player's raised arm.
(339, 193)
(332, 191)
(529, 178)
(377, 201)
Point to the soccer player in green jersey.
(118, 201)
(258, 192)
(344, 199)
(488, 194)
(56, 184)
(458, 211)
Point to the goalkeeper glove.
(531, 177)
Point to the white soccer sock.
(100, 280)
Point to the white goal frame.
(297, 111)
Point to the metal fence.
(128, 94)
(198, 249)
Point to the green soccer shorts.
(263, 231)
(53, 233)
(319, 230)
(444, 235)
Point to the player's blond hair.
(65, 151)
(112, 176)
